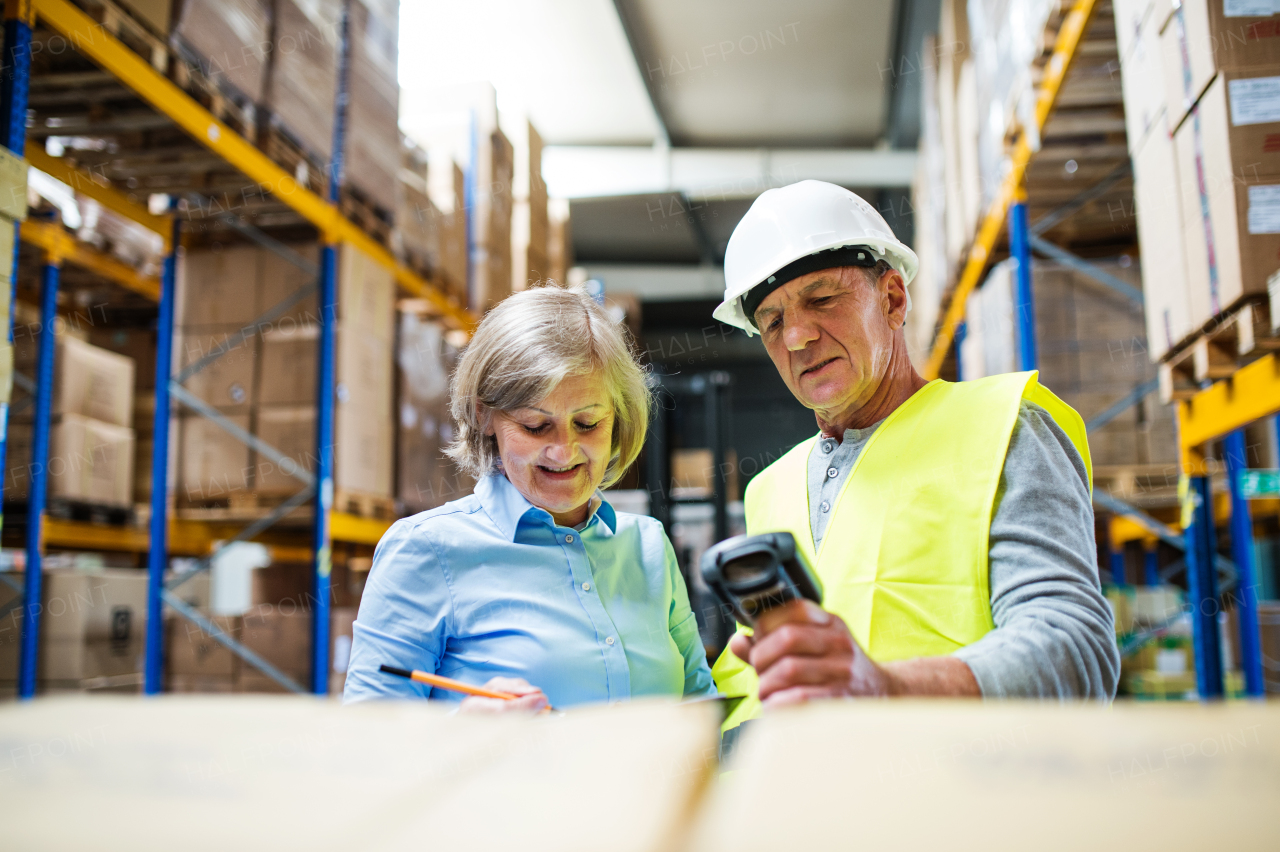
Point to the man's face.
(830, 334)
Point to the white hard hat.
(796, 223)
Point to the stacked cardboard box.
(1202, 104)
(425, 477)
(491, 223)
(276, 626)
(1092, 353)
(218, 294)
(303, 75)
(230, 40)
(447, 190)
(559, 240)
(372, 161)
(91, 442)
(529, 225)
(266, 384)
(92, 629)
(285, 409)
(13, 208)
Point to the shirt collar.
(507, 507)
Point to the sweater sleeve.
(1054, 633)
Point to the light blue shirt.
(490, 585)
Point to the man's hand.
(801, 652)
(531, 699)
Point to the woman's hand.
(531, 699)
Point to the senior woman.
(533, 584)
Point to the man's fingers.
(513, 685)
(800, 695)
(740, 644)
(806, 640)
(806, 671)
(798, 611)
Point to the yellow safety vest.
(904, 558)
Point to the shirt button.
(586, 587)
(609, 641)
(827, 446)
(826, 507)
(832, 472)
(568, 539)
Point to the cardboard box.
(425, 478)
(154, 13)
(211, 463)
(227, 383)
(91, 461)
(93, 625)
(289, 360)
(218, 287)
(446, 188)
(303, 80)
(138, 344)
(278, 279)
(1204, 37)
(491, 252)
(1142, 79)
(1233, 221)
(92, 382)
(192, 653)
(1158, 206)
(13, 186)
(366, 294)
(284, 639)
(292, 431)
(281, 638)
(1269, 629)
(373, 112)
(363, 425)
(230, 39)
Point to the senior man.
(950, 523)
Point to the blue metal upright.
(321, 541)
(1117, 565)
(962, 331)
(158, 553)
(1024, 297)
(1151, 566)
(15, 78)
(38, 481)
(1246, 571)
(1202, 583)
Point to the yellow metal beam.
(356, 530)
(89, 38)
(97, 188)
(1069, 36)
(1251, 393)
(195, 538)
(63, 247)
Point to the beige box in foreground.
(926, 776)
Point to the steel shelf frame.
(1221, 411)
(89, 39)
(1070, 35)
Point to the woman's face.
(555, 451)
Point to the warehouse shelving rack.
(1219, 412)
(172, 535)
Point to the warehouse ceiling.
(690, 106)
(761, 73)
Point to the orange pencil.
(449, 683)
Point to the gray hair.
(524, 347)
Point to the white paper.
(1254, 101)
(1249, 8)
(1264, 209)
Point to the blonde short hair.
(527, 345)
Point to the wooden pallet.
(1238, 336)
(371, 218)
(93, 513)
(307, 169)
(364, 504)
(231, 108)
(132, 32)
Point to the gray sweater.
(1054, 634)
